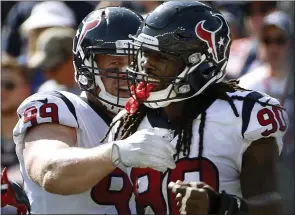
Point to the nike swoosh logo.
(44, 101)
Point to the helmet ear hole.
(85, 79)
(202, 74)
(207, 69)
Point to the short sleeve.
(264, 119)
(43, 108)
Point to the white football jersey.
(70, 110)
(261, 79)
(226, 137)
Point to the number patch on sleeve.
(274, 118)
(45, 111)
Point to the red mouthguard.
(141, 93)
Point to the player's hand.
(191, 198)
(145, 148)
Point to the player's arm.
(258, 183)
(258, 177)
(46, 137)
(265, 131)
(52, 160)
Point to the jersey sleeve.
(262, 121)
(43, 108)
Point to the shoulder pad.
(265, 118)
(49, 107)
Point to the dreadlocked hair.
(129, 124)
(192, 109)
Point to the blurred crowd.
(36, 55)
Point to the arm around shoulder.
(53, 161)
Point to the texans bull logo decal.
(88, 26)
(218, 48)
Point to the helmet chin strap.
(158, 95)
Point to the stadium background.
(21, 76)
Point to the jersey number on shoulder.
(48, 110)
(151, 193)
(273, 117)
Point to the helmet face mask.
(99, 40)
(161, 70)
(104, 82)
(194, 34)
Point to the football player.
(64, 166)
(227, 138)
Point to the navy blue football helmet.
(103, 31)
(192, 32)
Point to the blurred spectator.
(14, 17)
(255, 11)
(12, 42)
(273, 44)
(233, 13)
(103, 4)
(243, 51)
(14, 89)
(54, 56)
(5, 8)
(45, 15)
(274, 78)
